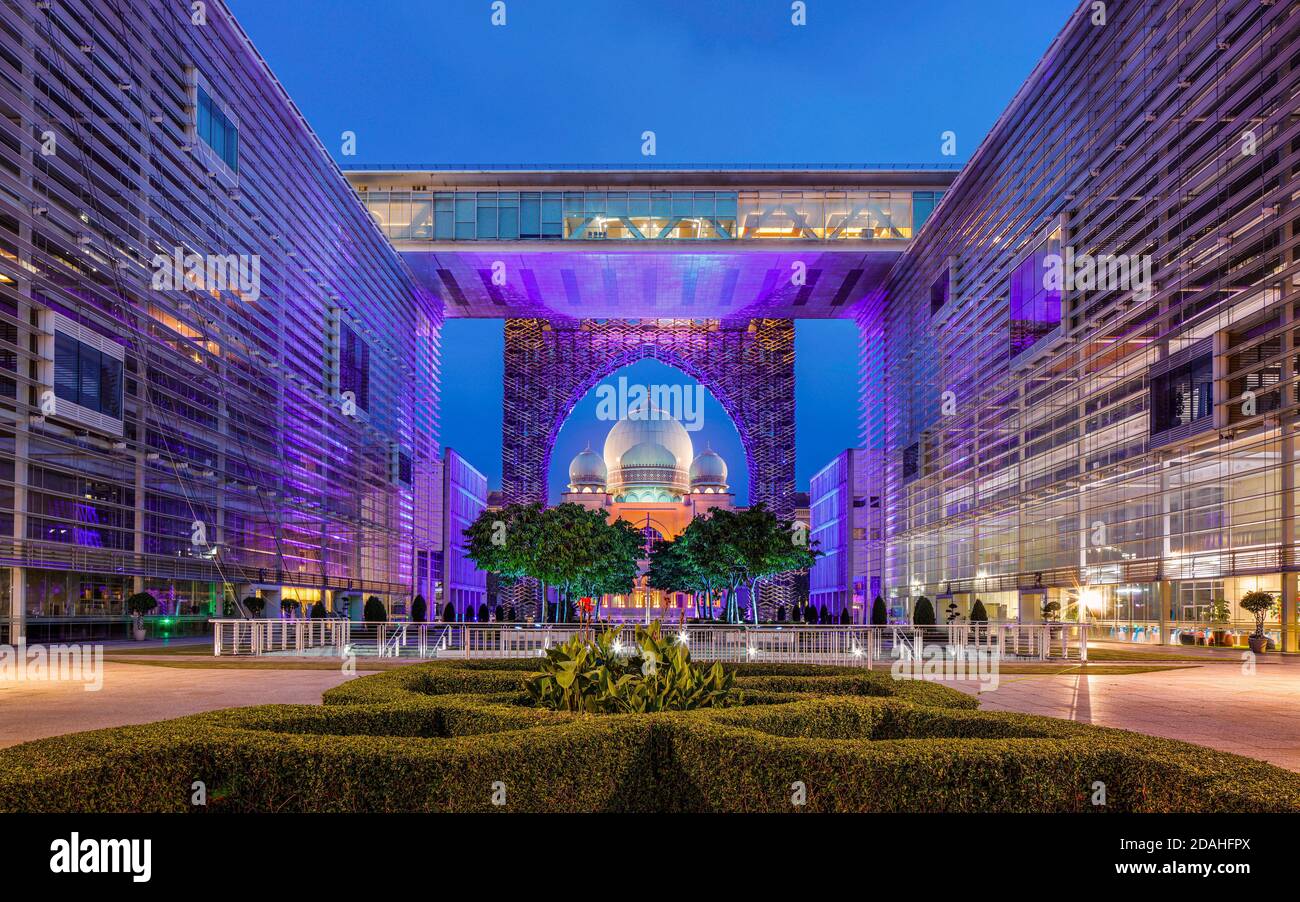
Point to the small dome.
(587, 469)
(648, 454)
(709, 471)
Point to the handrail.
(849, 644)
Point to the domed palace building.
(649, 475)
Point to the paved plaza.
(1213, 704)
(1216, 705)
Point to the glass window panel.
(530, 216)
(508, 222)
(110, 386)
(66, 364)
(422, 219)
(552, 209)
(88, 377)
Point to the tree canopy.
(574, 549)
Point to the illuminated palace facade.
(650, 475)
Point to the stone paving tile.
(135, 693)
(1215, 705)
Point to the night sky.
(723, 81)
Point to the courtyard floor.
(1207, 700)
(137, 693)
(1214, 704)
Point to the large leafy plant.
(601, 676)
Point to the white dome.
(587, 469)
(648, 454)
(709, 470)
(651, 427)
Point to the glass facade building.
(208, 352)
(1107, 441)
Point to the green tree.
(755, 548)
(568, 549)
(506, 542)
(617, 547)
(1261, 605)
(419, 609)
(704, 543)
(672, 568)
(977, 612)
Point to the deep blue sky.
(723, 81)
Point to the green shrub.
(419, 609)
(436, 736)
(977, 612)
(879, 617)
(255, 606)
(318, 611)
(449, 613)
(923, 613)
(375, 612)
(596, 676)
(141, 603)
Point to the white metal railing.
(858, 645)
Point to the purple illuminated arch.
(749, 368)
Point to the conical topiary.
(878, 615)
(923, 613)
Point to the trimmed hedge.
(445, 736)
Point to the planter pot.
(140, 634)
(1186, 639)
(1220, 637)
(1258, 644)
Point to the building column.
(1164, 599)
(1287, 615)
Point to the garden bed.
(452, 736)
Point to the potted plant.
(137, 606)
(1216, 618)
(1261, 604)
(254, 606)
(1051, 611)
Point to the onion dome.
(587, 472)
(709, 472)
